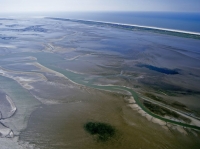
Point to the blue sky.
(99, 5)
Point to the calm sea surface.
(170, 20)
(178, 21)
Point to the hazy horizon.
(10, 6)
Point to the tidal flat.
(60, 75)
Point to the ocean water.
(170, 20)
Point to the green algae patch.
(103, 131)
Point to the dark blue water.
(161, 70)
(170, 20)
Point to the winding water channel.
(49, 61)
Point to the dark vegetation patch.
(164, 111)
(158, 69)
(175, 104)
(103, 131)
(154, 97)
(178, 104)
(181, 106)
(160, 87)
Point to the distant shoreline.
(141, 26)
(132, 25)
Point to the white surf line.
(141, 26)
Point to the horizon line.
(99, 11)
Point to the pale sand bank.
(4, 131)
(141, 26)
(12, 105)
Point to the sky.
(99, 5)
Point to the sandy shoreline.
(165, 125)
(134, 25)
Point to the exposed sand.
(4, 131)
(181, 130)
(13, 107)
(131, 100)
(141, 112)
(49, 47)
(23, 81)
(45, 69)
(132, 104)
(163, 124)
(158, 121)
(147, 116)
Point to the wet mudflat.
(62, 126)
(54, 64)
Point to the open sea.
(170, 20)
(183, 21)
